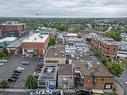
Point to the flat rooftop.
(36, 38)
(49, 72)
(65, 69)
(14, 45)
(8, 39)
(57, 51)
(88, 68)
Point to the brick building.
(13, 29)
(107, 46)
(92, 75)
(35, 45)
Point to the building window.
(108, 86)
(51, 61)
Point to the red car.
(38, 69)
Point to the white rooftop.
(36, 37)
(8, 39)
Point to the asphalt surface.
(13, 62)
(21, 93)
(123, 81)
(12, 93)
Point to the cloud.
(63, 8)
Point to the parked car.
(1, 63)
(16, 71)
(3, 60)
(47, 92)
(38, 69)
(20, 69)
(14, 76)
(83, 92)
(17, 74)
(11, 80)
(25, 63)
(39, 65)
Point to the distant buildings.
(48, 77)
(46, 31)
(55, 54)
(65, 76)
(35, 45)
(13, 29)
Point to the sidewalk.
(27, 90)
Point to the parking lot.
(13, 62)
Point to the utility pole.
(37, 14)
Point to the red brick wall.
(12, 27)
(110, 50)
(100, 82)
(36, 46)
(95, 43)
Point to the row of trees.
(114, 67)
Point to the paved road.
(24, 92)
(122, 83)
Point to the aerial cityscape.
(63, 47)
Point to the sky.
(63, 8)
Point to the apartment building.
(107, 46)
(65, 76)
(92, 75)
(13, 29)
(35, 45)
(55, 54)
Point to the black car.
(16, 71)
(56, 93)
(83, 92)
(17, 74)
(11, 79)
(14, 76)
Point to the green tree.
(104, 60)
(3, 84)
(31, 82)
(115, 68)
(114, 35)
(5, 51)
(52, 42)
